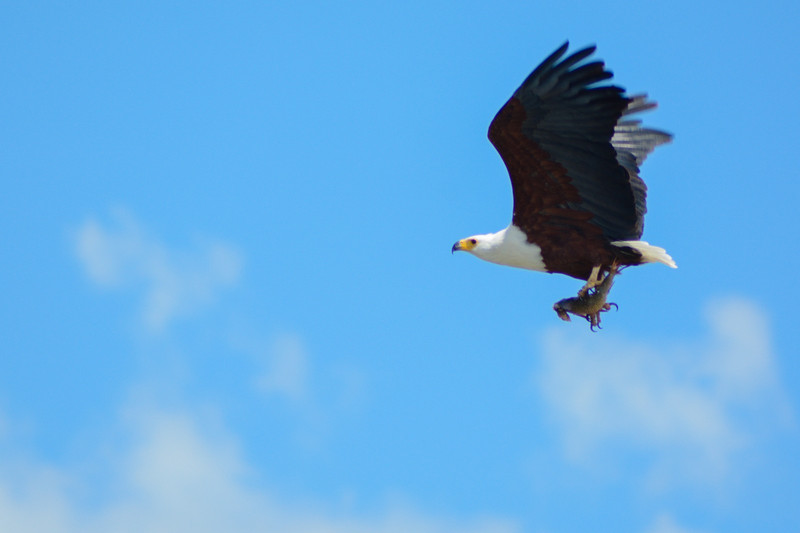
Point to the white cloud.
(287, 369)
(690, 407)
(664, 523)
(175, 283)
(317, 391)
(182, 472)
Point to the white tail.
(650, 253)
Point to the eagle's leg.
(593, 281)
(590, 302)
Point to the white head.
(506, 247)
(479, 245)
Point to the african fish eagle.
(573, 149)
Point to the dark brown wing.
(573, 162)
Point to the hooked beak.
(456, 247)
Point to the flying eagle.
(573, 149)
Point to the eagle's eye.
(473, 241)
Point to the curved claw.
(594, 320)
(590, 302)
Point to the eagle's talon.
(590, 302)
(594, 321)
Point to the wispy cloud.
(689, 406)
(183, 472)
(665, 523)
(318, 392)
(120, 253)
(286, 369)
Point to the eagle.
(573, 147)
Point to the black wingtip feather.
(548, 62)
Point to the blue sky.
(229, 302)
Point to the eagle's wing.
(573, 152)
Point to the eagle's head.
(466, 245)
(509, 246)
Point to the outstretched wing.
(573, 152)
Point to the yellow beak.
(464, 245)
